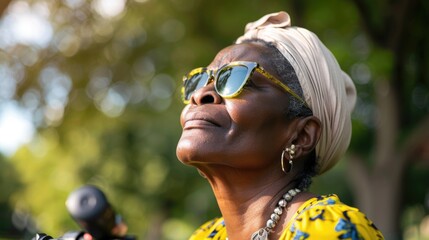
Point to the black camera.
(90, 209)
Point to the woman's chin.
(187, 152)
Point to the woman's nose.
(206, 95)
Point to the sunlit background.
(89, 94)
(30, 24)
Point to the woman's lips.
(200, 119)
(199, 123)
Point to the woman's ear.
(308, 132)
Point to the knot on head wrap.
(328, 90)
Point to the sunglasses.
(229, 80)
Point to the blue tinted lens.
(230, 80)
(193, 83)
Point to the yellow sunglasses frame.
(251, 67)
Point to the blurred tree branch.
(388, 27)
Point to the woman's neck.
(247, 199)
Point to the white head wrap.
(328, 91)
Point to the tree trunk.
(377, 189)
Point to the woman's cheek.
(182, 115)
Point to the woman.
(268, 114)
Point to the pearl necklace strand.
(262, 234)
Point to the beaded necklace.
(262, 234)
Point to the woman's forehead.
(240, 52)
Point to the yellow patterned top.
(323, 217)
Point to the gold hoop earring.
(291, 152)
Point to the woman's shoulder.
(326, 217)
(322, 217)
(210, 230)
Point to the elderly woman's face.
(248, 131)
